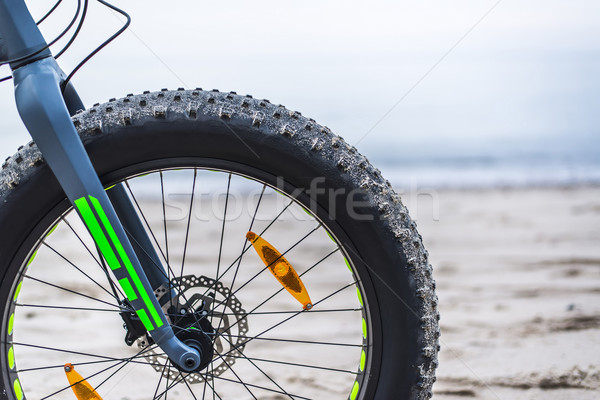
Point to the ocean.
(463, 163)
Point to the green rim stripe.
(17, 291)
(92, 224)
(31, 258)
(359, 297)
(330, 237)
(134, 276)
(11, 358)
(363, 359)
(354, 391)
(347, 264)
(11, 322)
(52, 230)
(129, 292)
(18, 389)
(144, 318)
(364, 326)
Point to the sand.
(518, 278)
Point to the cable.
(106, 42)
(49, 12)
(63, 33)
(54, 7)
(77, 30)
(6, 78)
(74, 36)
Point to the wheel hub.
(195, 330)
(207, 316)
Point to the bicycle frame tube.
(45, 111)
(20, 40)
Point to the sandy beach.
(518, 280)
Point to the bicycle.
(111, 264)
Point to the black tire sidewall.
(370, 245)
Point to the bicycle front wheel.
(202, 170)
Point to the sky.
(388, 76)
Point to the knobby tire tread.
(306, 135)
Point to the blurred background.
(463, 93)
(484, 114)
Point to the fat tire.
(257, 133)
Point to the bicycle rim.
(65, 310)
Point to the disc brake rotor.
(226, 315)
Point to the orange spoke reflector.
(281, 269)
(82, 389)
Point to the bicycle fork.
(45, 110)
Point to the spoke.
(260, 370)
(164, 210)
(188, 386)
(281, 289)
(189, 221)
(181, 293)
(160, 379)
(81, 241)
(121, 361)
(99, 260)
(230, 369)
(160, 270)
(66, 308)
(292, 312)
(124, 364)
(247, 248)
(115, 288)
(250, 360)
(180, 379)
(258, 387)
(257, 206)
(285, 320)
(223, 225)
(167, 380)
(71, 291)
(212, 387)
(80, 270)
(296, 364)
(277, 217)
(301, 341)
(236, 375)
(84, 363)
(79, 353)
(274, 261)
(86, 378)
(168, 387)
(205, 382)
(139, 208)
(236, 272)
(240, 257)
(126, 361)
(158, 267)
